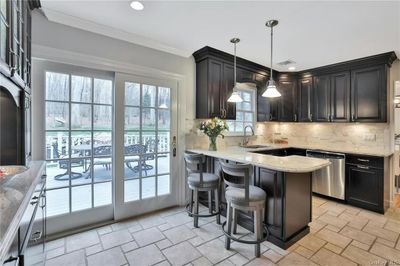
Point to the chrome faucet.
(246, 139)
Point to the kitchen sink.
(255, 146)
(7, 172)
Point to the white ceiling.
(310, 33)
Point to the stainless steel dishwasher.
(329, 180)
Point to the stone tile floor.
(340, 235)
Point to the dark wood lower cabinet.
(288, 205)
(364, 187)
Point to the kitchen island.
(287, 182)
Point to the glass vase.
(213, 144)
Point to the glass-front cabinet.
(15, 41)
(4, 37)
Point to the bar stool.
(199, 181)
(240, 195)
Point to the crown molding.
(72, 21)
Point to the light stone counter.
(367, 151)
(290, 164)
(15, 196)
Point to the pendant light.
(235, 96)
(271, 90)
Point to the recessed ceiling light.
(292, 68)
(137, 5)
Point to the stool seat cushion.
(209, 180)
(234, 194)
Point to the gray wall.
(46, 34)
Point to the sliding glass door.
(79, 137)
(145, 151)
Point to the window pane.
(80, 171)
(148, 119)
(132, 165)
(239, 116)
(132, 93)
(57, 145)
(163, 185)
(164, 97)
(246, 106)
(163, 163)
(81, 116)
(57, 116)
(148, 187)
(57, 173)
(246, 96)
(149, 140)
(248, 117)
(163, 142)
(103, 91)
(57, 201)
(102, 169)
(81, 143)
(102, 194)
(81, 89)
(131, 138)
(164, 118)
(57, 86)
(148, 95)
(131, 190)
(102, 139)
(102, 117)
(132, 118)
(81, 197)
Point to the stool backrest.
(194, 163)
(237, 175)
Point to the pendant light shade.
(271, 90)
(235, 96)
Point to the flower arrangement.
(213, 128)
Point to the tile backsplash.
(346, 136)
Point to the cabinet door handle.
(353, 118)
(330, 118)
(363, 160)
(295, 117)
(270, 117)
(224, 112)
(310, 117)
(362, 166)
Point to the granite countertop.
(15, 196)
(292, 163)
(376, 152)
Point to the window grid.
(141, 131)
(70, 131)
(245, 112)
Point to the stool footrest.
(265, 236)
(214, 213)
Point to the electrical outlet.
(369, 137)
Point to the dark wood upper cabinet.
(304, 99)
(340, 97)
(15, 41)
(287, 102)
(5, 20)
(215, 81)
(369, 94)
(227, 87)
(321, 107)
(352, 91)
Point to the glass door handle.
(174, 146)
